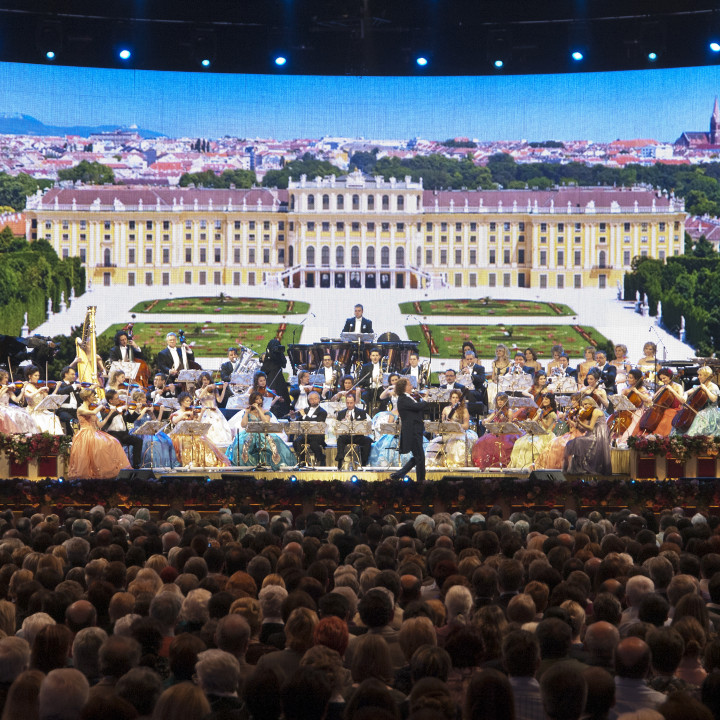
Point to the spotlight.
(498, 64)
(124, 54)
(406, 478)
(293, 478)
(50, 55)
(353, 478)
(421, 61)
(715, 46)
(205, 62)
(652, 56)
(280, 60)
(577, 55)
(499, 46)
(207, 479)
(204, 46)
(49, 38)
(579, 40)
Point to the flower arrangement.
(20, 448)
(680, 446)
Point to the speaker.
(131, 474)
(547, 476)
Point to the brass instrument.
(86, 351)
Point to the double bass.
(694, 404)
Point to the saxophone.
(86, 350)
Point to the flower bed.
(485, 306)
(682, 447)
(224, 304)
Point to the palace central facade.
(357, 231)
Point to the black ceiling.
(361, 37)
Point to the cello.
(621, 420)
(664, 400)
(694, 404)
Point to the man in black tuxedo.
(413, 368)
(371, 380)
(472, 375)
(114, 423)
(451, 383)
(67, 412)
(411, 433)
(230, 365)
(173, 359)
(358, 324)
(124, 350)
(567, 371)
(362, 441)
(608, 372)
(316, 443)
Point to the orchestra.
(519, 415)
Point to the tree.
(703, 248)
(306, 165)
(88, 173)
(208, 179)
(15, 189)
(364, 161)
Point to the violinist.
(33, 393)
(115, 423)
(528, 448)
(707, 420)
(536, 391)
(672, 396)
(590, 452)
(209, 395)
(160, 389)
(117, 382)
(67, 412)
(493, 450)
(316, 443)
(13, 419)
(552, 456)
(329, 375)
(453, 449)
(125, 349)
(608, 372)
(472, 376)
(194, 450)
(94, 455)
(158, 449)
(348, 387)
(259, 448)
(362, 441)
(300, 390)
(172, 359)
(593, 388)
(270, 397)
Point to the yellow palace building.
(357, 231)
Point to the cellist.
(666, 401)
(707, 420)
(624, 423)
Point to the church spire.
(715, 123)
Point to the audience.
(325, 616)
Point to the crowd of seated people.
(329, 616)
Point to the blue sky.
(657, 104)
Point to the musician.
(329, 374)
(33, 393)
(640, 397)
(115, 424)
(608, 372)
(564, 369)
(519, 364)
(272, 362)
(451, 382)
(557, 351)
(348, 388)
(231, 365)
(160, 389)
(584, 367)
(413, 369)
(300, 390)
(260, 386)
(707, 420)
(472, 375)
(364, 443)
(124, 350)
(453, 449)
(67, 412)
(411, 431)
(371, 379)
(172, 359)
(358, 324)
(316, 443)
(648, 362)
(592, 389)
(666, 384)
(589, 453)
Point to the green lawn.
(210, 305)
(484, 306)
(449, 338)
(209, 339)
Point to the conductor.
(358, 324)
(411, 432)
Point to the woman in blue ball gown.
(158, 450)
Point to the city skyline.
(654, 104)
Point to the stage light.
(280, 60)
(49, 38)
(353, 478)
(124, 54)
(652, 56)
(61, 479)
(498, 64)
(715, 46)
(205, 62)
(406, 478)
(204, 46)
(50, 55)
(208, 479)
(421, 61)
(577, 55)
(498, 46)
(293, 478)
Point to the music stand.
(533, 428)
(305, 428)
(189, 376)
(444, 428)
(620, 402)
(264, 428)
(353, 428)
(192, 428)
(151, 428)
(130, 369)
(502, 428)
(358, 338)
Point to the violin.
(585, 414)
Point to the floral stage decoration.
(21, 448)
(681, 447)
(465, 494)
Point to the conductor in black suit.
(411, 431)
(316, 443)
(125, 349)
(358, 324)
(362, 441)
